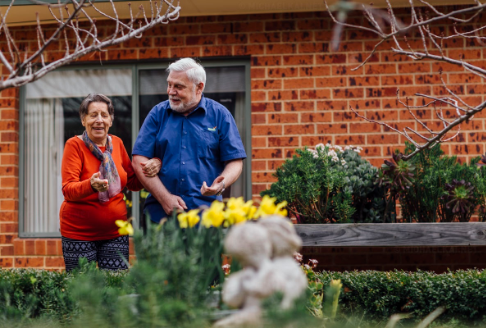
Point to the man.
(197, 140)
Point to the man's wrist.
(219, 193)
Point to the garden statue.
(265, 250)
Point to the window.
(49, 117)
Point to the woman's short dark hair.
(91, 98)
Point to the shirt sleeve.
(231, 147)
(72, 188)
(133, 183)
(145, 143)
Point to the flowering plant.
(231, 212)
(328, 184)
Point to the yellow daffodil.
(125, 227)
(189, 219)
(214, 215)
(268, 207)
(249, 209)
(280, 210)
(234, 216)
(235, 203)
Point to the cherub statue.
(265, 250)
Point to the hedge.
(378, 295)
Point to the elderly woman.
(95, 170)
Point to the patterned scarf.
(108, 169)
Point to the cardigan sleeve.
(72, 188)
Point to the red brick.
(9, 205)
(273, 165)
(266, 107)
(331, 82)
(283, 95)
(266, 60)
(283, 118)
(298, 60)
(19, 247)
(266, 153)
(258, 118)
(217, 51)
(281, 48)
(298, 83)
(40, 247)
(248, 26)
(266, 84)
(153, 53)
(200, 40)
(256, 189)
(299, 106)
(315, 71)
(29, 262)
(296, 36)
(350, 140)
(317, 47)
(175, 29)
(261, 130)
(283, 72)
(258, 96)
(280, 25)
(332, 128)
(30, 247)
(382, 139)
(265, 37)
(6, 250)
(316, 117)
(8, 227)
(283, 141)
(216, 28)
(122, 54)
(315, 140)
(315, 94)
(346, 93)
(299, 129)
(381, 69)
(364, 128)
(232, 39)
(332, 105)
(180, 52)
(51, 247)
(6, 262)
(258, 165)
(255, 49)
(55, 262)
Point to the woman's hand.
(98, 184)
(151, 167)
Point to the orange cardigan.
(83, 216)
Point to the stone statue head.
(284, 239)
(249, 243)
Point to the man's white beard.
(183, 108)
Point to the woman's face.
(97, 122)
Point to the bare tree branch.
(34, 65)
(420, 29)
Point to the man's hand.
(215, 187)
(172, 202)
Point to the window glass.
(51, 117)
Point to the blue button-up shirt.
(192, 148)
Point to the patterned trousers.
(110, 254)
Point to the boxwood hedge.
(378, 295)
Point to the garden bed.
(393, 234)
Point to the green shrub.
(378, 295)
(432, 187)
(329, 184)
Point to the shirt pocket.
(209, 144)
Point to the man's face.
(183, 94)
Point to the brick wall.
(300, 93)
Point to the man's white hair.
(195, 72)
